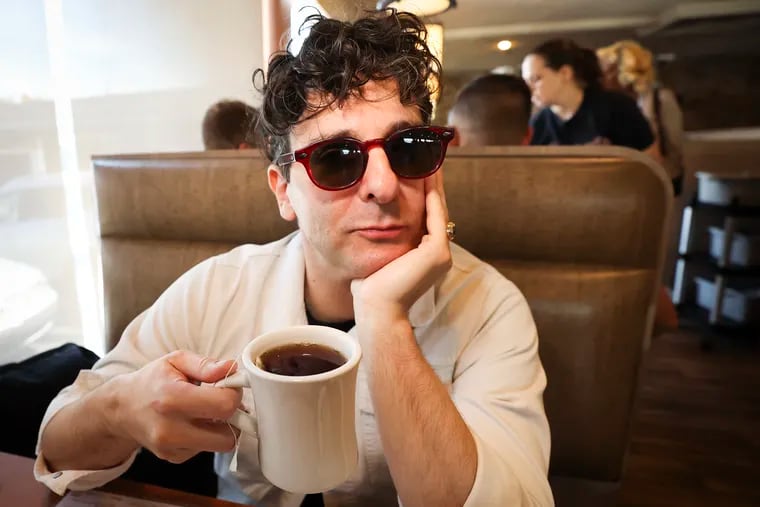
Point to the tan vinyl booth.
(161, 214)
(579, 229)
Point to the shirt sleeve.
(166, 326)
(498, 389)
(629, 125)
(62, 480)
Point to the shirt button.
(57, 475)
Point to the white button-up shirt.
(474, 328)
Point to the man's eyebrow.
(401, 125)
(395, 127)
(341, 133)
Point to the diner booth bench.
(580, 230)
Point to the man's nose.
(379, 183)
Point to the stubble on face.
(330, 221)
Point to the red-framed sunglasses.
(340, 162)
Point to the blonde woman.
(627, 67)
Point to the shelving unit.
(722, 296)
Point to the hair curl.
(632, 63)
(336, 60)
(559, 52)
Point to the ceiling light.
(418, 7)
(504, 45)
(507, 70)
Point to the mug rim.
(350, 363)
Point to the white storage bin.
(723, 190)
(740, 305)
(745, 248)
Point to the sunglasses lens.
(337, 165)
(415, 152)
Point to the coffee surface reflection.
(300, 359)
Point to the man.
(492, 110)
(449, 395)
(226, 126)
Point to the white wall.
(141, 74)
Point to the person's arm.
(140, 394)
(82, 425)
(158, 407)
(672, 118)
(430, 451)
(671, 125)
(487, 441)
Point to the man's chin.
(374, 262)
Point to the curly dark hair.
(336, 60)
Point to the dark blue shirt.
(604, 117)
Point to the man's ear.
(457, 139)
(567, 72)
(279, 186)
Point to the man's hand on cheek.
(387, 295)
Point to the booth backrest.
(580, 230)
(160, 214)
(594, 205)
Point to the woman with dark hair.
(565, 81)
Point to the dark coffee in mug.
(300, 359)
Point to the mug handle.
(241, 420)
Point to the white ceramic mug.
(305, 425)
